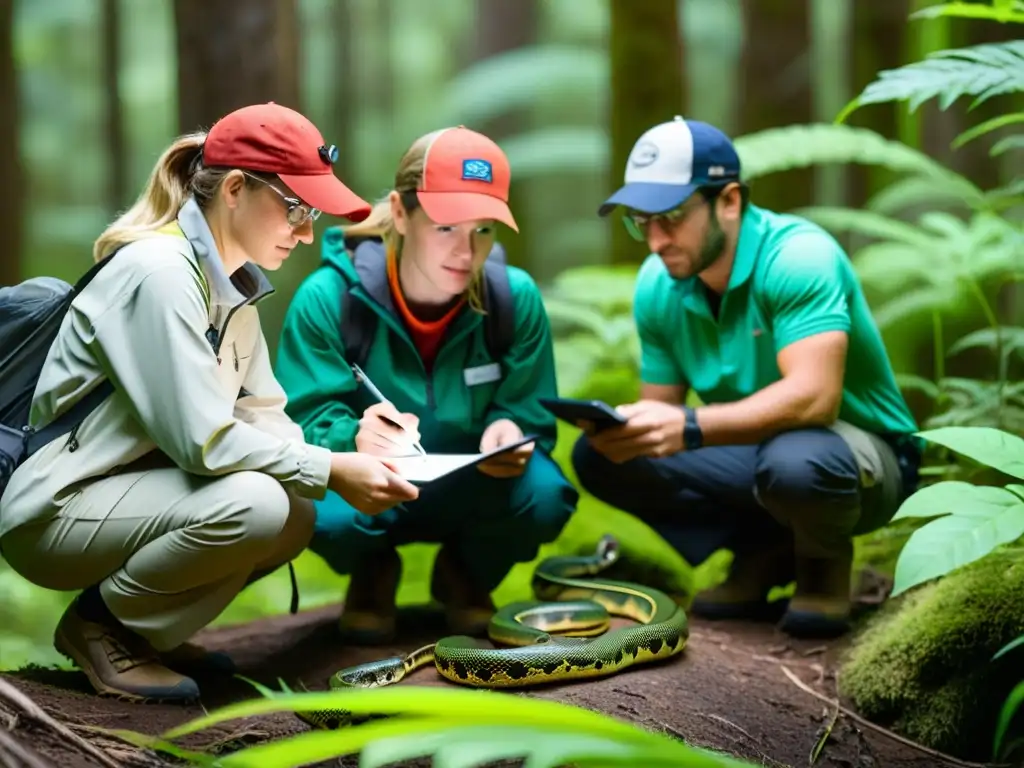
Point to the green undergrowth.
(923, 665)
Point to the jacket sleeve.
(262, 403)
(175, 394)
(530, 366)
(312, 368)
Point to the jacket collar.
(248, 284)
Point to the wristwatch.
(693, 437)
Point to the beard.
(711, 249)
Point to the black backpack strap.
(500, 321)
(358, 320)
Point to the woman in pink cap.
(459, 348)
(186, 480)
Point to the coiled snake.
(549, 636)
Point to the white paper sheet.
(424, 469)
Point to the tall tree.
(775, 88)
(646, 87)
(117, 151)
(11, 174)
(504, 26)
(231, 54)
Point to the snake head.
(370, 675)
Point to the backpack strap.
(358, 320)
(500, 321)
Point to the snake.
(564, 634)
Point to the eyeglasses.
(298, 212)
(637, 223)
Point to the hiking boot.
(468, 608)
(369, 614)
(820, 608)
(194, 660)
(118, 662)
(744, 594)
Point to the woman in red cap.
(189, 480)
(460, 348)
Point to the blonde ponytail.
(178, 173)
(381, 224)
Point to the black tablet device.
(600, 414)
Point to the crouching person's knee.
(264, 520)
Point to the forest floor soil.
(744, 689)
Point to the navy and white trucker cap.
(669, 162)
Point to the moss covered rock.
(923, 666)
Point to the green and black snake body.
(562, 635)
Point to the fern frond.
(987, 127)
(801, 146)
(1005, 145)
(982, 71)
(511, 80)
(1004, 11)
(560, 149)
(914, 191)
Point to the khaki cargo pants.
(169, 550)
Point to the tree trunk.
(646, 89)
(117, 153)
(10, 157)
(775, 91)
(504, 26)
(232, 54)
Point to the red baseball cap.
(275, 139)
(465, 176)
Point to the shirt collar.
(247, 284)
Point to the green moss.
(923, 665)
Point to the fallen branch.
(884, 731)
(33, 711)
(21, 756)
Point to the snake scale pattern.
(563, 635)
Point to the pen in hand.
(365, 380)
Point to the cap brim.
(456, 207)
(648, 197)
(326, 192)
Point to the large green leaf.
(992, 447)
(1002, 11)
(460, 727)
(1006, 713)
(953, 541)
(800, 146)
(953, 497)
(982, 71)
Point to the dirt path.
(729, 691)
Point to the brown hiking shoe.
(118, 662)
(744, 594)
(468, 609)
(821, 606)
(369, 614)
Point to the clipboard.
(423, 470)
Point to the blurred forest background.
(92, 90)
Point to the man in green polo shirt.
(804, 440)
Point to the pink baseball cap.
(465, 176)
(275, 139)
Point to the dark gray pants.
(819, 486)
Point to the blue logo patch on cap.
(477, 170)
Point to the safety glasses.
(298, 212)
